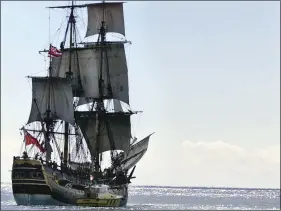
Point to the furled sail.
(55, 93)
(115, 105)
(120, 127)
(111, 13)
(84, 100)
(135, 153)
(88, 69)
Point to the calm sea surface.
(176, 198)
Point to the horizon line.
(187, 187)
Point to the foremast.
(56, 88)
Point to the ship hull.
(36, 199)
(34, 184)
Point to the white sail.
(111, 13)
(135, 153)
(55, 93)
(87, 67)
(60, 66)
(55, 65)
(118, 72)
(120, 127)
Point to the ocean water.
(175, 198)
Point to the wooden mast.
(69, 76)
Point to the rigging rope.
(49, 25)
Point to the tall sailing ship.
(80, 111)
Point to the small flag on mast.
(54, 52)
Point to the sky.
(206, 75)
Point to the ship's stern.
(29, 183)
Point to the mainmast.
(71, 21)
(100, 105)
(101, 111)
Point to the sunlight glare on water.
(174, 198)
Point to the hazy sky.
(206, 75)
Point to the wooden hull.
(36, 199)
(34, 184)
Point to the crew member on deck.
(55, 165)
(54, 176)
(61, 157)
(36, 156)
(24, 155)
(62, 45)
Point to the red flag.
(54, 52)
(29, 139)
